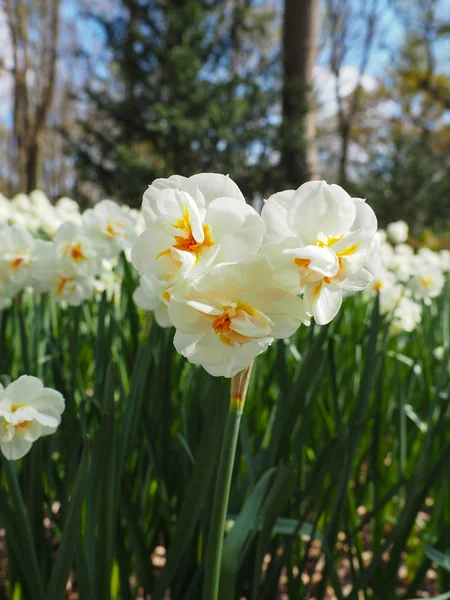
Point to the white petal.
(237, 227)
(252, 326)
(206, 309)
(159, 203)
(24, 389)
(15, 449)
(67, 231)
(148, 295)
(186, 318)
(274, 215)
(353, 250)
(49, 402)
(215, 185)
(323, 260)
(195, 218)
(217, 358)
(286, 271)
(149, 254)
(174, 181)
(325, 303)
(185, 343)
(319, 208)
(287, 311)
(365, 219)
(162, 316)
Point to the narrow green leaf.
(246, 522)
(443, 560)
(71, 532)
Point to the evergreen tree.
(189, 87)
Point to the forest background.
(99, 98)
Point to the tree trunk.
(34, 155)
(32, 100)
(343, 153)
(300, 27)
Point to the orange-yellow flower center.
(63, 281)
(330, 241)
(76, 251)
(187, 242)
(223, 324)
(303, 263)
(16, 262)
(22, 425)
(114, 227)
(378, 285)
(426, 281)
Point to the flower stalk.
(239, 386)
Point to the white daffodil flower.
(406, 316)
(427, 283)
(153, 295)
(68, 210)
(21, 203)
(383, 280)
(137, 216)
(190, 231)
(428, 257)
(318, 240)
(402, 266)
(75, 252)
(28, 411)
(18, 251)
(62, 285)
(397, 232)
(231, 314)
(71, 289)
(109, 227)
(404, 250)
(390, 294)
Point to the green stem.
(220, 504)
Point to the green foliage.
(336, 418)
(409, 181)
(189, 88)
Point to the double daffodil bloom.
(319, 240)
(193, 224)
(110, 228)
(232, 313)
(28, 411)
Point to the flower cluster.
(70, 259)
(407, 281)
(231, 281)
(228, 279)
(28, 411)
